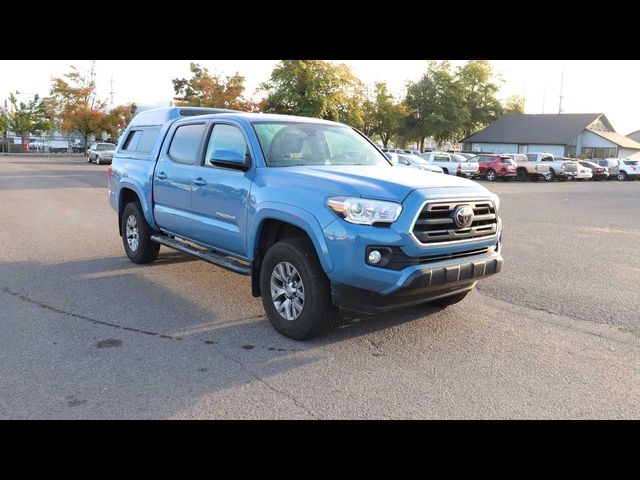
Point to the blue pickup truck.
(312, 210)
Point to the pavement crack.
(268, 385)
(536, 308)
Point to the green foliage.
(383, 118)
(204, 89)
(25, 119)
(315, 88)
(514, 105)
(436, 105)
(479, 95)
(3, 122)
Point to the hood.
(379, 183)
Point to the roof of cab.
(160, 116)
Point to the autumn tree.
(205, 89)
(315, 88)
(383, 117)
(25, 119)
(436, 106)
(73, 99)
(479, 91)
(513, 105)
(116, 121)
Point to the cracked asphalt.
(84, 333)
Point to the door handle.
(161, 176)
(199, 182)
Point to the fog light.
(374, 257)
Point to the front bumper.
(428, 283)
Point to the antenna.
(561, 88)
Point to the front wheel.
(98, 160)
(622, 176)
(136, 235)
(296, 293)
(522, 175)
(491, 175)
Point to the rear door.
(173, 178)
(221, 193)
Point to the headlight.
(496, 201)
(364, 212)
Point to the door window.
(225, 137)
(186, 143)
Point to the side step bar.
(207, 255)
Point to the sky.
(603, 86)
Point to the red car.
(494, 166)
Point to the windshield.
(631, 162)
(287, 144)
(106, 146)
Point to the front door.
(221, 194)
(173, 179)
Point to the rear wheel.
(136, 235)
(446, 301)
(491, 175)
(296, 293)
(622, 176)
(445, 171)
(522, 175)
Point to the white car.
(101, 152)
(414, 161)
(453, 165)
(622, 168)
(584, 173)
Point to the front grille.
(435, 224)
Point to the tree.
(479, 90)
(116, 121)
(75, 102)
(204, 89)
(25, 119)
(382, 116)
(514, 105)
(436, 106)
(315, 88)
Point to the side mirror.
(230, 158)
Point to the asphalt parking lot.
(84, 333)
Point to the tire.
(491, 175)
(622, 176)
(446, 301)
(445, 171)
(553, 174)
(97, 159)
(88, 158)
(146, 250)
(522, 175)
(318, 313)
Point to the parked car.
(101, 152)
(559, 169)
(295, 203)
(622, 169)
(526, 169)
(415, 161)
(584, 172)
(450, 165)
(495, 166)
(598, 172)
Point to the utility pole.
(561, 88)
(111, 93)
(544, 96)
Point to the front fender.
(294, 215)
(145, 200)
